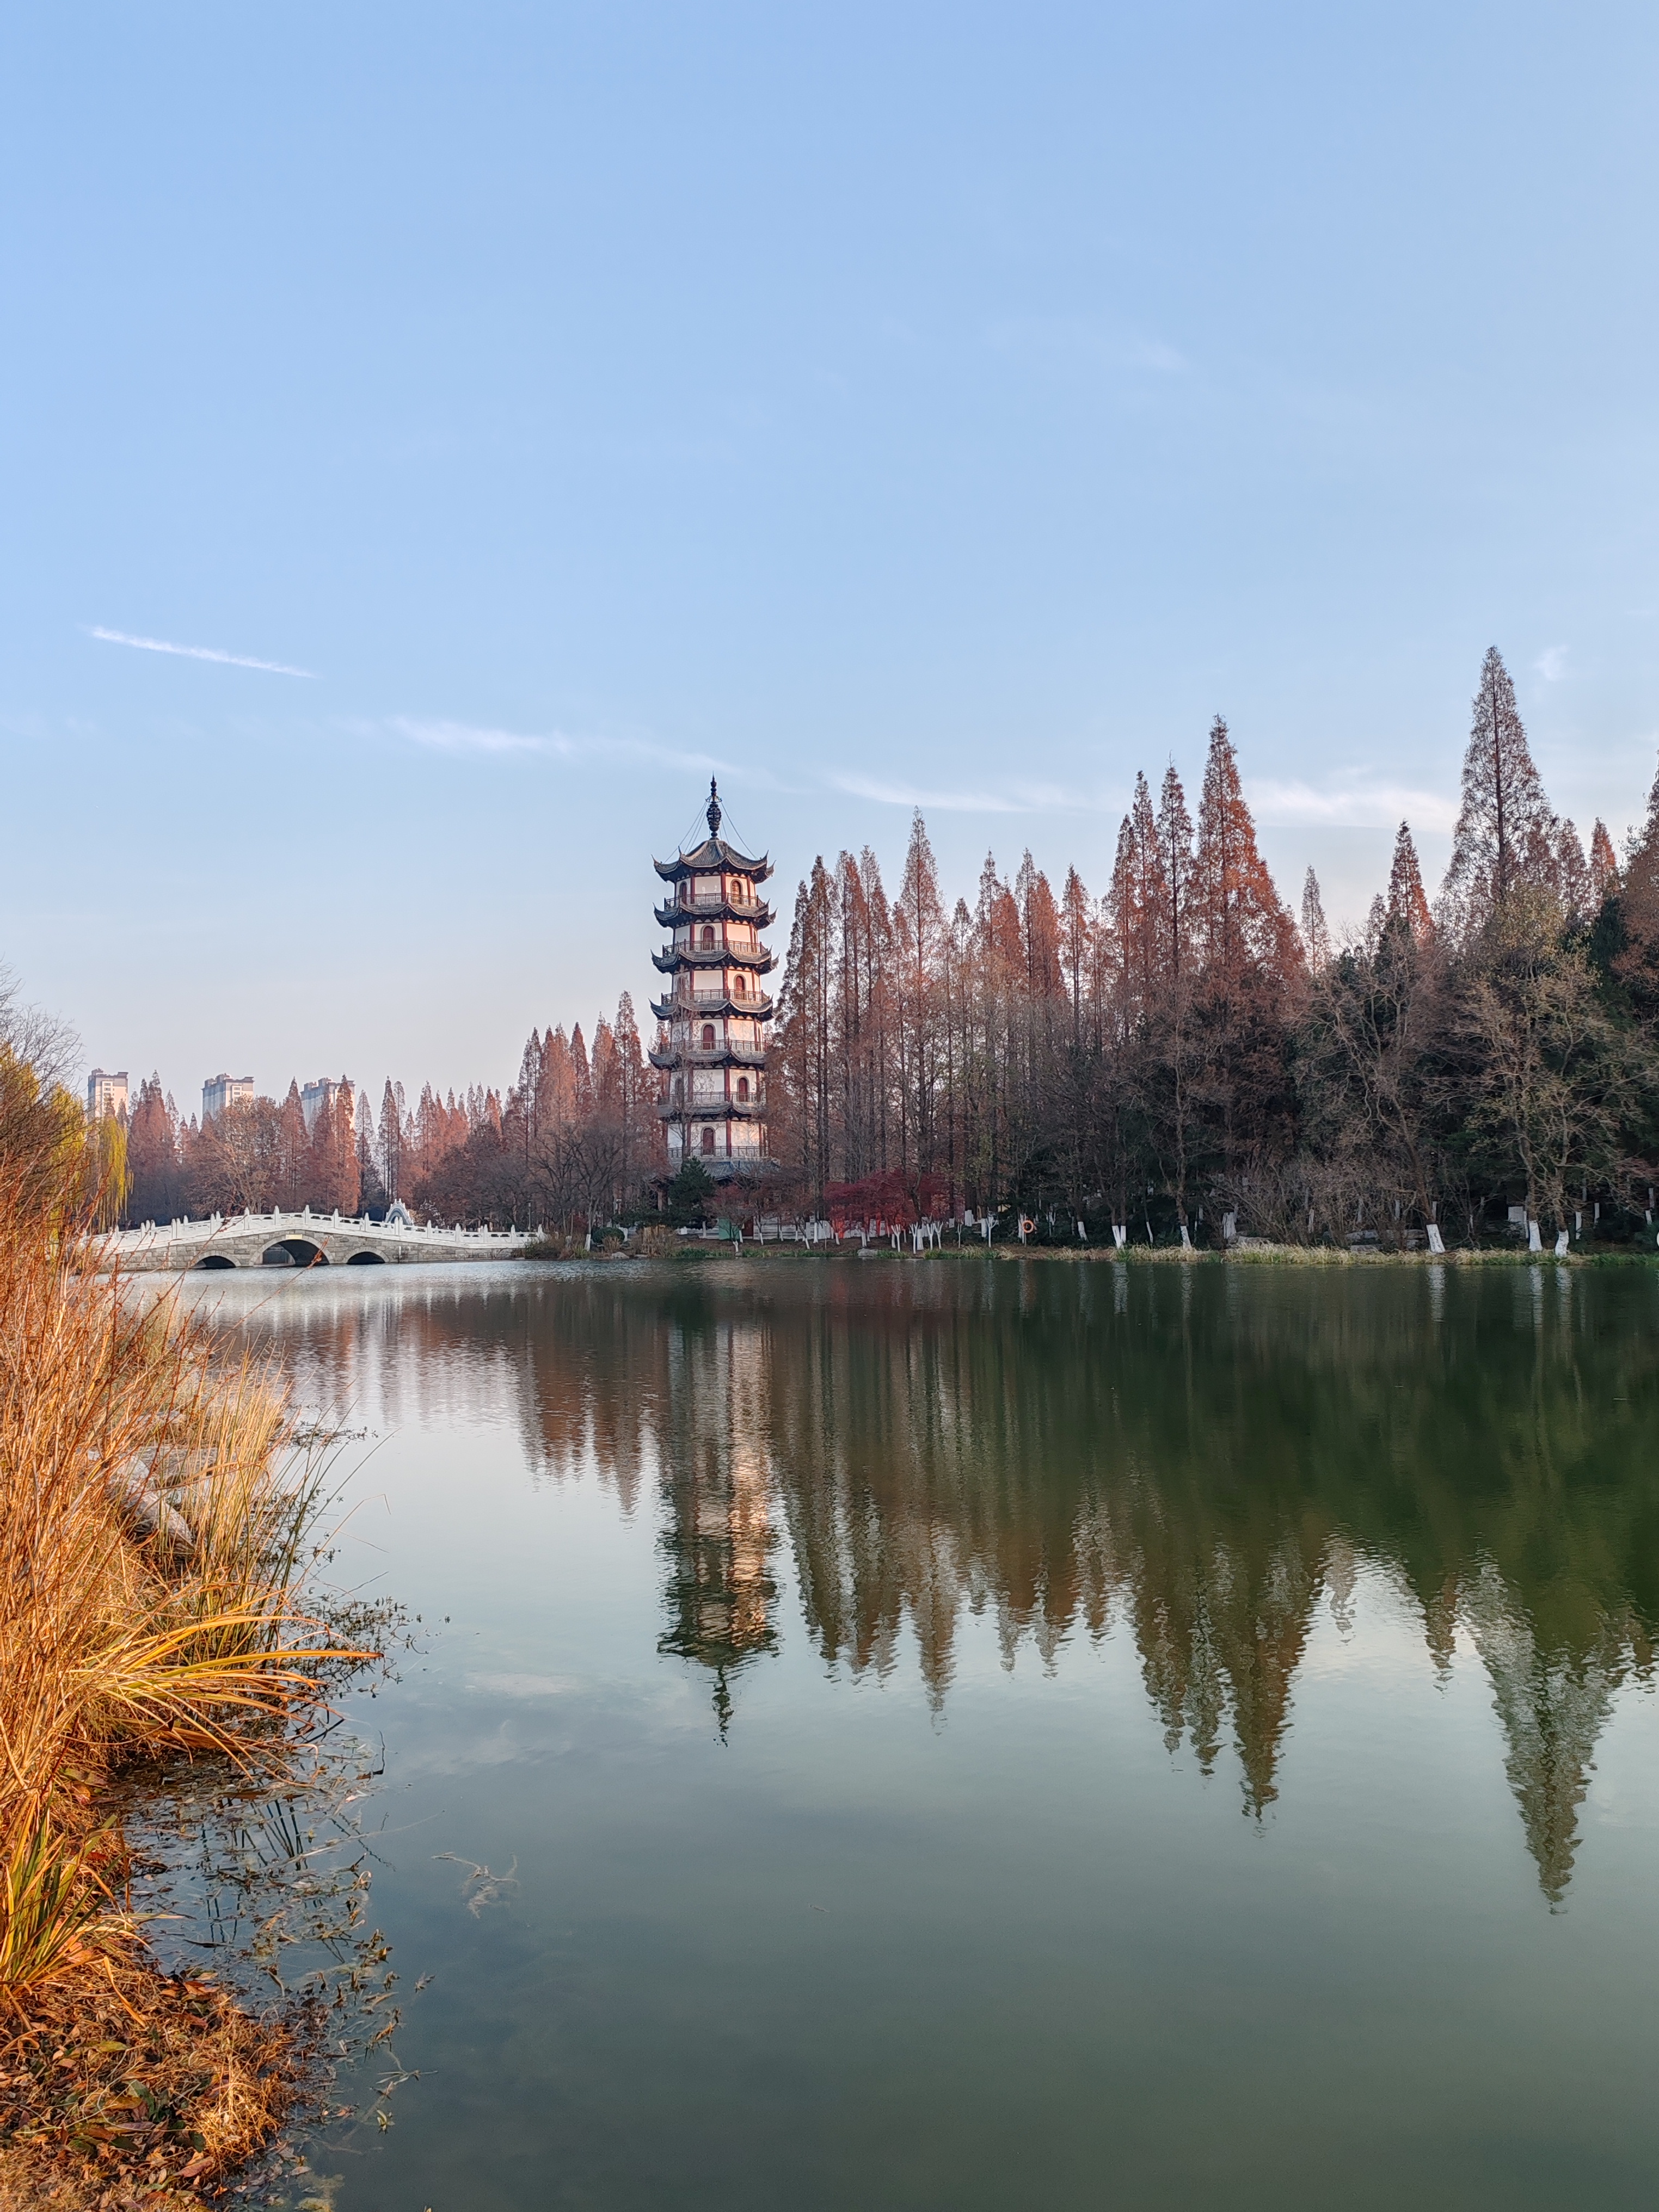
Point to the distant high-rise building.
(326, 1089)
(105, 1094)
(716, 1009)
(221, 1090)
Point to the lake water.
(993, 1735)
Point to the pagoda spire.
(714, 808)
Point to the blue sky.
(879, 405)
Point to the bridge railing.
(277, 1226)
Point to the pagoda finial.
(714, 808)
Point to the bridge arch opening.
(366, 1260)
(212, 1260)
(294, 1252)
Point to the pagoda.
(715, 1011)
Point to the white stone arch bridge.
(297, 1240)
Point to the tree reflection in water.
(1203, 1456)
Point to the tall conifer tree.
(1409, 905)
(1572, 874)
(391, 1143)
(1603, 866)
(1505, 831)
(1316, 931)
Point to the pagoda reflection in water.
(1199, 1461)
(717, 1486)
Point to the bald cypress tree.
(1638, 890)
(1175, 853)
(918, 935)
(390, 1142)
(1316, 931)
(1505, 831)
(293, 1147)
(1249, 950)
(1573, 875)
(1603, 866)
(1407, 904)
(153, 1156)
(1136, 902)
(1076, 942)
(1241, 923)
(1172, 1113)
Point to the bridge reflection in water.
(1199, 1458)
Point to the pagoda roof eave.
(712, 854)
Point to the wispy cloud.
(1552, 662)
(468, 738)
(1352, 802)
(1021, 799)
(197, 653)
(483, 740)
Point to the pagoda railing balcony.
(712, 1109)
(755, 910)
(711, 1002)
(735, 1055)
(714, 955)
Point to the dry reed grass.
(151, 1531)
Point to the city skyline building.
(712, 1048)
(221, 1090)
(106, 1094)
(324, 1091)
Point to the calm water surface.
(985, 1736)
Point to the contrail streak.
(198, 652)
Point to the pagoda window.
(708, 1036)
(708, 937)
(679, 1091)
(708, 1138)
(743, 1091)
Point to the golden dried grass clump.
(151, 1525)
